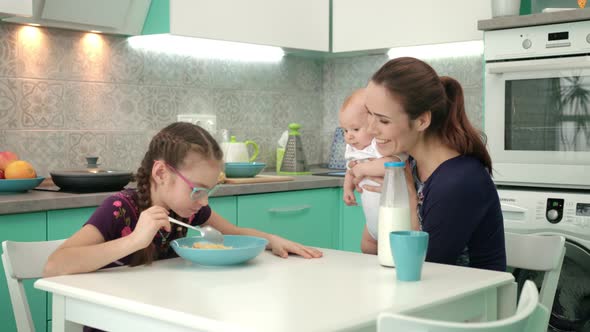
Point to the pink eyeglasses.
(197, 192)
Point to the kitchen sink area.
(337, 173)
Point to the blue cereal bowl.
(243, 170)
(243, 248)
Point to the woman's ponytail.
(457, 132)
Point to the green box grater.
(294, 159)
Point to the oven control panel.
(537, 41)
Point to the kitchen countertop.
(507, 22)
(36, 200)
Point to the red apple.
(6, 157)
(2, 174)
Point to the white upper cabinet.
(292, 24)
(305, 24)
(299, 24)
(378, 24)
(16, 8)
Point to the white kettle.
(237, 152)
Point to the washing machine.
(566, 213)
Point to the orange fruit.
(20, 169)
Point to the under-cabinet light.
(433, 51)
(207, 48)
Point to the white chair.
(529, 317)
(24, 260)
(542, 253)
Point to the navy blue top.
(459, 207)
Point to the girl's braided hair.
(171, 144)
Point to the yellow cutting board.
(259, 179)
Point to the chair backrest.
(529, 317)
(24, 260)
(543, 253)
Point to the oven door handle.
(539, 64)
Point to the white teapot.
(237, 152)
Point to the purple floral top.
(118, 215)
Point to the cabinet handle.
(290, 209)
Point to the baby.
(362, 155)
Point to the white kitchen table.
(341, 291)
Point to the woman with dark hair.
(452, 194)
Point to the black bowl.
(90, 180)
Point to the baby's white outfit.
(369, 200)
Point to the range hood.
(9, 8)
(125, 17)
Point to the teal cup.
(409, 251)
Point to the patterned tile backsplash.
(65, 95)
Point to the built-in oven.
(537, 105)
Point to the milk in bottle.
(394, 210)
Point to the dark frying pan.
(90, 179)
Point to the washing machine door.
(571, 307)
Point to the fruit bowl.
(19, 185)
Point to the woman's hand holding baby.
(367, 187)
(359, 176)
(361, 171)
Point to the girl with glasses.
(177, 175)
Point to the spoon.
(208, 233)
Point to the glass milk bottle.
(394, 210)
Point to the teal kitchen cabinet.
(352, 223)
(225, 206)
(61, 224)
(309, 217)
(23, 227)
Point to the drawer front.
(309, 217)
(352, 225)
(224, 206)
